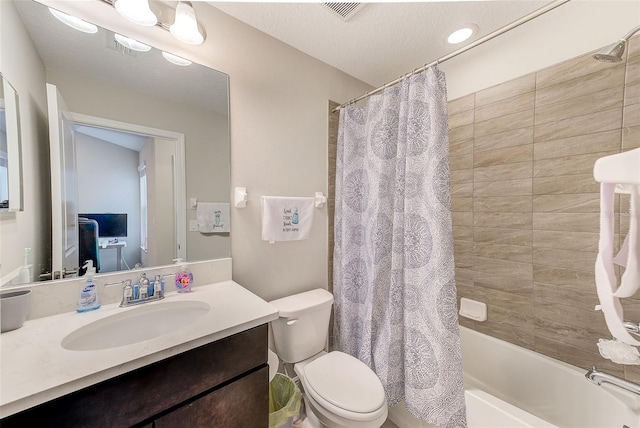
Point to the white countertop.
(35, 368)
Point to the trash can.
(284, 401)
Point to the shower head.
(614, 51)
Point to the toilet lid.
(345, 382)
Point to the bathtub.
(507, 386)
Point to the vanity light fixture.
(174, 59)
(137, 11)
(132, 44)
(185, 27)
(462, 34)
(73, 22)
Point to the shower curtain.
(394, 285)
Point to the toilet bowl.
(338, 389)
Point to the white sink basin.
(135, 325)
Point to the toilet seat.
(345, 386)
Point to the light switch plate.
(193, 225)
(193, 203)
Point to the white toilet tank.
(303, 326)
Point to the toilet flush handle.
(292, 321)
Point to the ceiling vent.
(344, 11)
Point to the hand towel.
(213, 217)
(286, 218)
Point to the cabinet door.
(242, 404)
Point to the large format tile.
(503, 156)
(506, 90)
(520, 237)
(501, 140)
(567, 203)
(520, 102)
(503, 188)
(503, 220)
(505, 204)
(606, 120)
(568, 184)
(510, 171)
(577, 145)
(587, 103)
(505, 123)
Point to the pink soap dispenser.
(184, 278)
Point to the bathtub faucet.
(598, 377)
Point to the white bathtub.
(507, 386)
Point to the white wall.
(570, 30)
(108, 183)
(21, 65)
(279, 116)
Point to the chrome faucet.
(144, 291)
(599, 377)
(632, 327)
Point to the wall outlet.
(193, 225)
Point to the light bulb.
(185, 27)
(174, 59)
(462, 34)
(131, 43)
(73, 22)
(137, 11)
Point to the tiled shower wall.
(525, 206)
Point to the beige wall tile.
(631, 138)
(514, 253)
(570, 222)
(567, 184)
(463, 254)
(461, 133)
(464, 275)
(568, 165)
(503, 283)
(571, 203)
(577, 68)
(462, 176)
(503, 188)
(503, 156)
(460, 119)
(577, 356)
(504, 123)
(508, 325)
(585, 300)
(501, 140)
(503, 220)
(631, 115)
(460, 162)
(520, 102)
(504, 204)
(564, 259)
(567, 334)
(578, 145)
(461, 190)
(577, 241)
(586, 124)
(461, 104)
(460, 147)
(460, 218)
(463, 233)
(580, 105)
(462, 204)
(581, 281)
(520, 237)
(506, 90)
(633, 61)
(632, 94)
(510, 171)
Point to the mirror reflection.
(132, 138)
(10, 149)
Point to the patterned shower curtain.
(394, 285)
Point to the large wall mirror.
(133, 137)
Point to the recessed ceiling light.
(74, 22)
(174, 59)
(132, 44)
(462, 34)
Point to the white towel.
(213, 217)
(286, 218)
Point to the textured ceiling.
(383, 40)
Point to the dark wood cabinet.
(221, 384)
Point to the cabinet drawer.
(139, 395)
(241, 404)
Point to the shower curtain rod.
(496, 33)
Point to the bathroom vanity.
(211, 372)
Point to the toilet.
(339, 390)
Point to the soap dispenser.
(24, 277)
(89, 299)
(184, 278)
